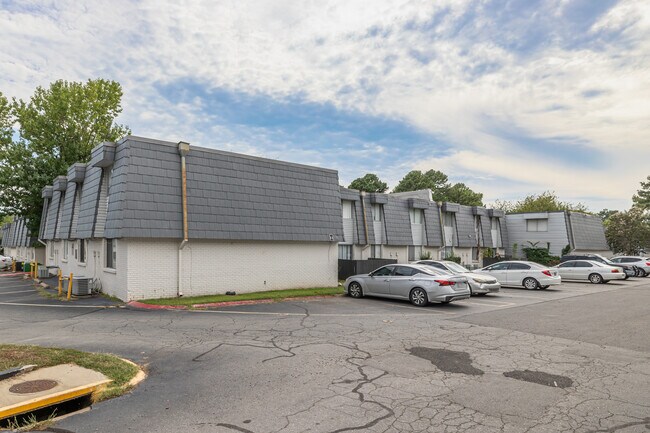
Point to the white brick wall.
(212, 267)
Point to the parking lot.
(574, 358)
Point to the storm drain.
(32, 386)
(540, 378)
(449, 361)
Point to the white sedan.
(589, 270)
(517, 273)
(5, 262)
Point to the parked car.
(642, 263)
(478, 284)
(418, 283)
(5, 262)
(629, 270)
(517, 273)
(589, 270)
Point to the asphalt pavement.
(576, 358)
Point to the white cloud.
(366, 59)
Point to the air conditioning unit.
(43, 272)
(81, 286)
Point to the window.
(51, 250)
(65, 250)
(403, 271)
(347, 209)
(518, 267)
(383, 272)
(415, 251)
(375, 251)
(567, 265)
(82, 251)
(111, 253)
(583, 265)
(498, 267)
(345, 252)
(376, 212)
(416, 216)
(537, 225)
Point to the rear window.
(518, 267)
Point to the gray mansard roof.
(587, 232)
(16, 234)
(133, 189)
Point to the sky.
(510, 97)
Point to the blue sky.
(510, 97)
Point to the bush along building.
(151, 219)
(18, 244)
(410, 226)
(559, 232)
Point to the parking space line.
(424, 309)
(492, 304)
(22, 286)
(22, 304)
(18, 291)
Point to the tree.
(544, 202)
(369, 183)
(606, 214)
(642, 198)
(57, 127)
(434, 180)
(628, 232)
(462, 194)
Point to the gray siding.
(63, 231)
(16, 234)
(432, 225)
(52, 215)
(486, 228)
(465, 226)
(398, 222)
(360, 226)
(88, 204)
(230, 196)
(588, 232)
(556, 235)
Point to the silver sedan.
(419, 284)
(478, 284)
(590, 270)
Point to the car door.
(582, 270)
(378, 283)
(498, 271)
(516, 273)
(401, 282)
(566, 270)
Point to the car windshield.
(455, 267)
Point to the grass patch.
(114, 368)
(271, 294)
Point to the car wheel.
(596, 278)
(626, 276)
(418, 297)
(643, 273)
(531, 284)
(354, 290)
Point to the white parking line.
(17, 291)
(424, 309)
(23, 286)
(20, 304)
(492, 303)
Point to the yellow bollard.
(70, 286)
(35, 270)
(13, 265)
(60, 282)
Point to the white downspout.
(183, 150)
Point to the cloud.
(563, 84)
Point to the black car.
(630, 271)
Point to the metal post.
(13, 265)
(35, 270)
(70, 286)
(60, 282)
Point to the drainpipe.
(442, 226)
(365, 220)
(183, 150)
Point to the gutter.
(183, 150)
(363, 210)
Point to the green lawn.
(271, 294)
(114, 368)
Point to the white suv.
(642, 263)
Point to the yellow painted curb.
(60, 397)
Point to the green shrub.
(566, 250)
(541, 256)
(453, 259)
(425, 255)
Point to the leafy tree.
(435, 180)
(628, 232)
(462, 194)
(57, 127)
(369, 183)
(606, 214)
(544, 202)
(642, 198)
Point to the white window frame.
(416, 215)
(348, 249)
(347, 211)
(537, 225)
(113, 255)
(375, 251)
(66, 245)
(376, 212)
(51, 252)
(82, 244)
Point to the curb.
(142, 306)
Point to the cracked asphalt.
(574, 359)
